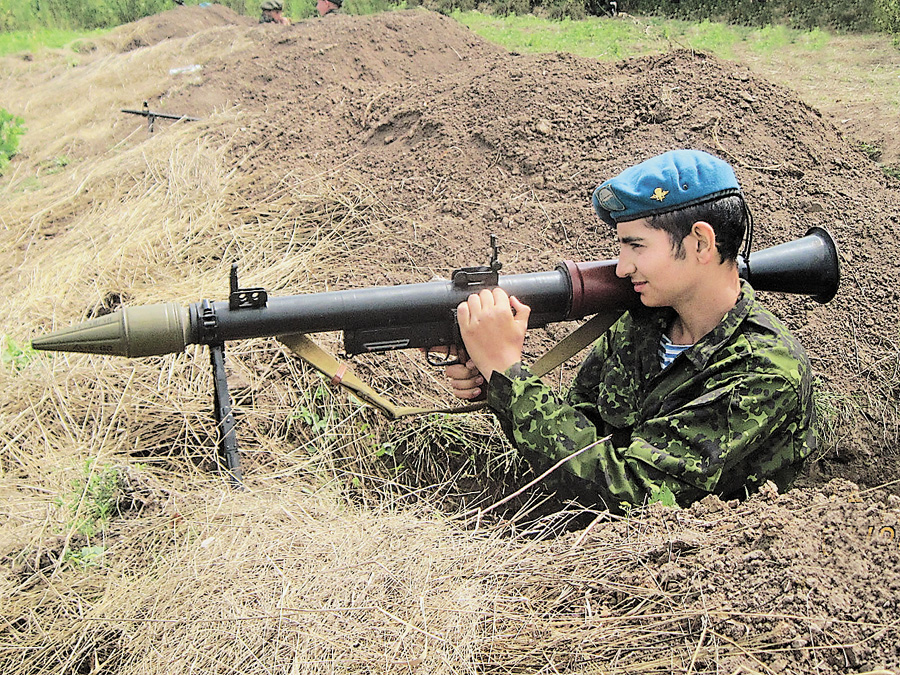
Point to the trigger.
(440, 360)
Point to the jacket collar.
(657, 321)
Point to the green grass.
(43, 38)
(613, 39)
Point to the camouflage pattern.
(734, 410)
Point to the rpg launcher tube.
(422, 315)
(572, 291)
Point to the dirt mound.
(180, 22)
(468, 140)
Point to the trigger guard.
(441, 363)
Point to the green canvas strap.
(340, 374)
(574, 342)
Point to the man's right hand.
(465, 379)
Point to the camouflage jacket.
(731, 412)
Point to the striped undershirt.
(668, 351)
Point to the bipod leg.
(229, 460)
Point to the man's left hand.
(493, 325)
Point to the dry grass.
(121, 552)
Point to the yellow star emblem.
(659, 194)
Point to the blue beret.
(664, 183)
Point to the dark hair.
(726, 215)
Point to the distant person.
(699, 391)
(612, 8)
(271, 13)
(328, 6)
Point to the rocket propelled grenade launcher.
(383, 318)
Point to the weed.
(94, 498)
(662, 495)
(11, 128)
(86, 556)
(870, 150)
(55, 165)
(14, 356)
(440, 445)
(36, 38)
(29, 184)
(317, 411)
(891, 172)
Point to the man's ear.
(704, 243)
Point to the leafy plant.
(870, 150)
(55, 165)
(887, 16)
(86, 556)
(14, 356)
(11, 128)
(317, 411)
(663, 495)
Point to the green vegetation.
(11, 129)
(663, 495)
(316, 411)
(38, 38)
(54, 165)
(86, 556)
(17, 15)
(850, 15)
(613, 40)
(25, 21)
(94, 498)
(13, 356)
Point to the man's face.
(324, 6)
(646, 257)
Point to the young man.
(700, 391)
(272, 13)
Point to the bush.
(11, 128)
(76, 14)
(887, 16)
(846, 15)
(563, 9)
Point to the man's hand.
(464, 377)
(492, 325)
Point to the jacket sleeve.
(687, 449)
